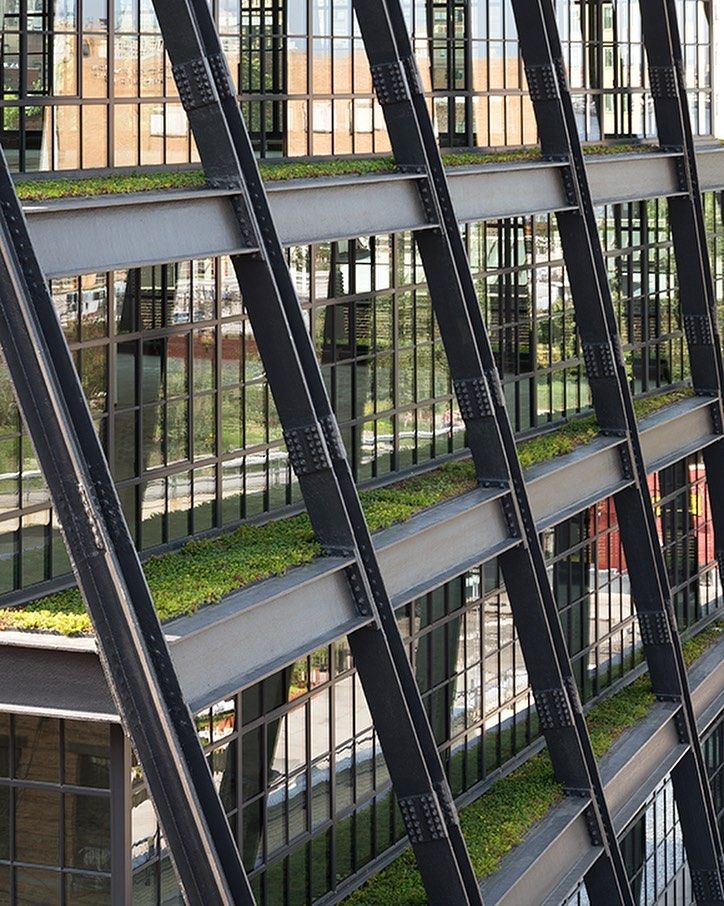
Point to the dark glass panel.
(37, 826)
(37, 745)
(87, 754)
(87, 832)
(86, 890)
(37, 888)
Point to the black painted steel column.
(490, 436)
(317, 453)
(131, 643)
(688, 228)
(667, 80)
(613, 404)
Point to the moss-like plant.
(204, 571)
(499, 820)
(117, 184)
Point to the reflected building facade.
(174, 380)
(176, 386)
(87, 85)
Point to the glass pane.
(88, 832)
(37, 888)
(82, 890)
(87, 754)
(145, 884)
(37, 742)
(37, 831)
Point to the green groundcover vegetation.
(204, 571)
(499, 820)
(114, 184)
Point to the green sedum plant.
(203, 571)
(498, 821)
(119, 184)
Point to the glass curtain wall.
(653, 846)
(174, 380)
(86, 84)
(653, 849)
(55, 811)
(296, 757)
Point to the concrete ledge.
(259, 629)
(76, 235)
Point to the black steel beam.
(597, 326)
(557, 848)
(489, 433)
(667, 80)
(131, 642)
(662, 42)
(316, 450)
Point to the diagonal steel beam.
(662, 42)
(316, 450)
(557, 848)
(597, 326)
(489, 433)
(131, 643)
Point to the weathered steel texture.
(598, 331)
(79, 235)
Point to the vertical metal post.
(121, 808)
(596, 320)
(316, 451)
(490, 435)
